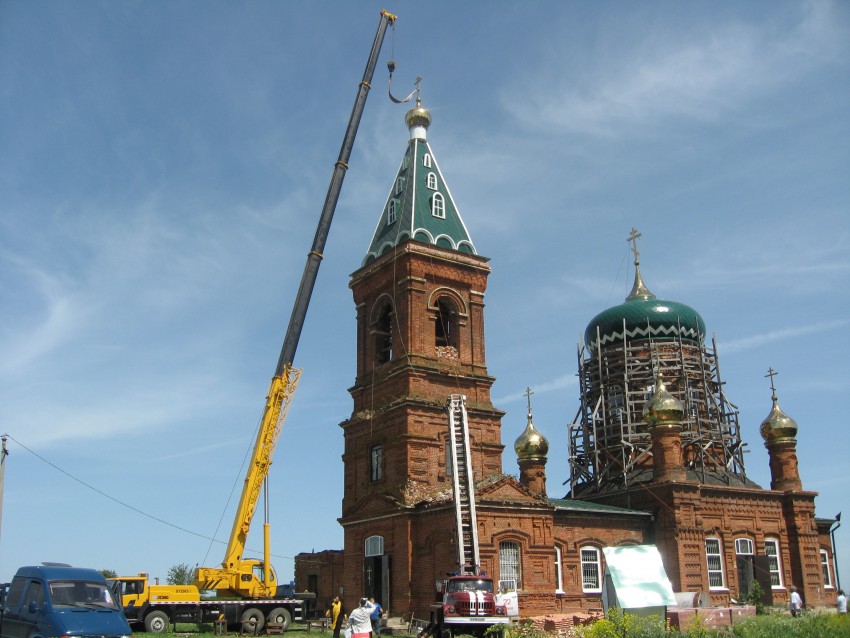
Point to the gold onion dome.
(418, 116)
(531, 445)
(663, 408)
(778, 427)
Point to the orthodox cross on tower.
(772, 373)
(527, 395)
(633, 239)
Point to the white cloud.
(697, 74)
(755, 341)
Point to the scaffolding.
(610, 443)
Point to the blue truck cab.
(59, 601)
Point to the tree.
(108, 573)
(181, 574)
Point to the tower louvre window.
(426, 160)
(399, 185)
(392, 211)
(445, 329)
(376, 463)
(382, 331)
(591, 570)
(438, 206)
(431, 181)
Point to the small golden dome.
(531, 445)
(418, 116)
(778, 427)
(663, 408)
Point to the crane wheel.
(252, 621)
(157, 622)
(279, 616)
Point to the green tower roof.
(419, 205)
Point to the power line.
(119, 501)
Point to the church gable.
(506, 489)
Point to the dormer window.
(438, 206)
(392, 211)
(399, 185)
(432, 181)
(405, 162)
(426, 160)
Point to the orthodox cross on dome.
(639, 290)
(772, 373)
(527, 395)
(633, 238)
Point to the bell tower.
(419, 295)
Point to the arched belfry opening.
(382, 332)
(446, 324)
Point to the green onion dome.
(645, 317)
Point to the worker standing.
(360, 620)
(376, 618)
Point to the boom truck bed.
(157, 607)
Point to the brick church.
(655, 452)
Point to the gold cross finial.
(527, 395)
(633, 238)
(772, 373)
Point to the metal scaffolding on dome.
(609, 441)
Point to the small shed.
(635, 581)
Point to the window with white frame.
(771, 550)
(438, 206)
(392, 211)
(426, 160)
(431, 181)
(509, 565)
(559, 574)
(743, 547)
(591, 570)
(824, 563)
(714, 560)
(374, 546)
(376, 462)
(399, 185)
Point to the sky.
(163, 166)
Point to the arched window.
(559, 573)
(445, 328)
(774, 562)
(432, 181)
(714, 561)
(509, 563)
(382, 331)
(399, 185)
(426, 160)
(591, 570)
(374, 546)
(744, 559)
(438, 206)
(392, 211)
(824, 564)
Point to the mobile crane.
(249, 579)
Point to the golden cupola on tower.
(531, 445)
(663, 408)
(778, 427)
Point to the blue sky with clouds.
(163, 165)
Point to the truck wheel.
(252, 621)
(157, 622)
(279, 616)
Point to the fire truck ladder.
(463, 486)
